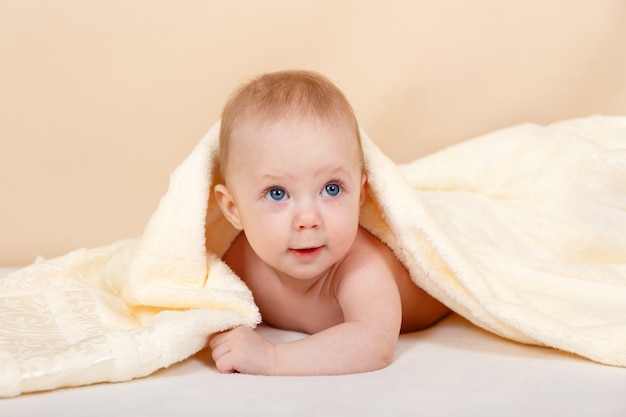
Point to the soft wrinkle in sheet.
(521, 231)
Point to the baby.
(294, 183)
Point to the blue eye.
(332, 189)
(276, 194)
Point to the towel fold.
(521, 231)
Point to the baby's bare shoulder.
(369, 257)
(369, 249)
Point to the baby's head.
(292, 165)
(280, 96)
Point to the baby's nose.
(307, 217)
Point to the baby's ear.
(363, 190)
(227, 204)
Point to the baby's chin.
(304, 273)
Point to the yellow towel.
(522, 231)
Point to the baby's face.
(297, 188)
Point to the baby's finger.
(220, 355)
(216, 339)
(224, 361)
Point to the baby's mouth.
(306, 252)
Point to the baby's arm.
(366, 341)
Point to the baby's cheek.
(265, 238)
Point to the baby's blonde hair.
(273, 96)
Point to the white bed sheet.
(452, 369)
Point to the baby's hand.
(242, 350)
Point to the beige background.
(100, 100)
